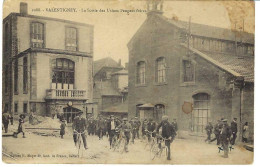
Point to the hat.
(22, 115)
(80, 112)
(111, 116)
(63, 120)
(150, 119)
(224, 120)
(165, 117)
(235, 118)
(124, 119)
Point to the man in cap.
(5, 120)
(151, 128)
(225, 134)
(111, 128)
(216, 131)
(126, 128)
(209, 129)
(79, 126)
(233, 131)
(168, 133)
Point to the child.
(20, 126)
(62, 128)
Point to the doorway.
(70, 113)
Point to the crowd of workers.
(225, 135)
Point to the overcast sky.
(112, 31)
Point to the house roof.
(105, 62)
(120, 72)
(211, 31)
(120, 108)
(235, 65)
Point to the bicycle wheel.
(154, 152)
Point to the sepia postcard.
(128, 82)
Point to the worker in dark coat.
(79, 126)
(233, 131)
(225, 134)
(100, 127)
(168, 133)
(209, 129)
(216, 131)
(5, 120)
(126, 128)
(62, 128)
(151, 129)
(111, 128)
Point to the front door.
(70, 113)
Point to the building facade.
(192, 72)
(110, 87)
(47, 65)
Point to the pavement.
(36, 148)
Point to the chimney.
(23, 8)
(126, 66)
(119, 62)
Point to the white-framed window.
(201, 112)
(160, 75)
(37, 35)
(140, 73)
(63, 73)
(71, 38)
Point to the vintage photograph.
(128, 82)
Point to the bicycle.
(152, 141)
(79, 142)
(159, 149)
(116, 140)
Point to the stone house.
(176, 65)
(47, 65)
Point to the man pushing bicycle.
(79, 127)
(168, 133)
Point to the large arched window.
(140, 75)
(63, 73)
(201, 112)
(160, 70)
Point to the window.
(37, 35)
(6, 78)
(140, 76)
(201, 112)
(24, 107)
(63, 73)
(15, 108)
(16, 76)
(25, 75)
(7, 37)
(160, 70)
(188, 71)
(71, 38)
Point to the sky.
(113, 30)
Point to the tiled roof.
(121, 72)
(105, 62)
(242, 65)
(235, 65)
(211, 31)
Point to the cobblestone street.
(183, 151)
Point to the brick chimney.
(23, 8)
